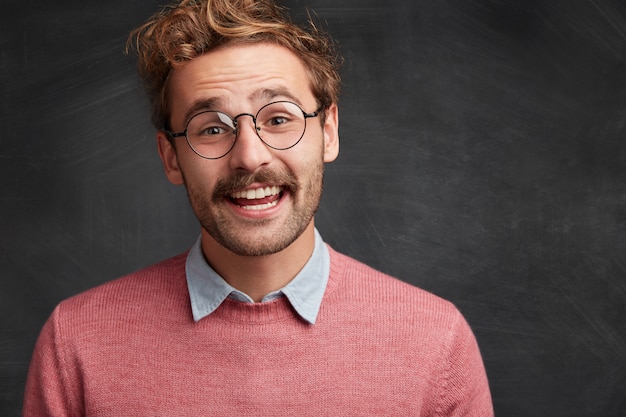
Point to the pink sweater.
(130, 348)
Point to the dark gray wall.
(482, 158)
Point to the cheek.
(306, 166)
(309, 167)
(309, 152)
(200, 174)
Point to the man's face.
(255, 200)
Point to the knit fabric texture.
(380, 347)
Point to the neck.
(258, 276)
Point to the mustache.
(227, 186)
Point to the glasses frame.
(305, 115)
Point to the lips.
(259, 198)
(257, 192)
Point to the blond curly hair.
(183, 31)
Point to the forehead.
(239, 78)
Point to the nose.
(249, 153)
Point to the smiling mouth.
(257, 198)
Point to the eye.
(210, 125)
(277, 120)
(213, 130)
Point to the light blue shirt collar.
(207, 290)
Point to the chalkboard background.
(482, 159)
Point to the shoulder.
(388, 308)
(350, 272)
(377, 291)
(149, 288)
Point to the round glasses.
(212, 134)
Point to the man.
(260, 317)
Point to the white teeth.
(260, 206)
(257, 193)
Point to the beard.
(258, 237)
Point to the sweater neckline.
(271, 311)
(278, 309)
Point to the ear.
(168, 155)
(331, 133)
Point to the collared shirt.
(208, 290)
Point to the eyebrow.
(271, 93)
(200, 105)
(214, 103)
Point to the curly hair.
(183, 31)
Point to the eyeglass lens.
(280, 125)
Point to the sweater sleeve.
(464, 389)
(48, 392)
